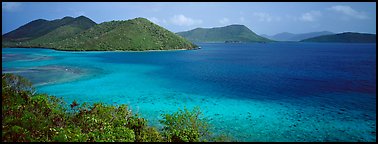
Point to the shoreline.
(150, 50)
(196, 48)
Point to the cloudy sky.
(262, 18)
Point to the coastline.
(196, 48)
(149, 50)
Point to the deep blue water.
(254, 92)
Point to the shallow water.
(254, 92)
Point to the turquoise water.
(254, 92)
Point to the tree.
(185, 126)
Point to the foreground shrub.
(28, 117)
(185, 126)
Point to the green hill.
(76, 26)
(42, 32)
(347, 37)
(41, 27)
(136, 34)
(222, 34)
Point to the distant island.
(232, 42)
(231, 33)
(82, 34)
(140, 34)
(286, 36)
(346, 37)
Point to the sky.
(261, 17)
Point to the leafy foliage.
(185, 126)
(136, 34)
(30, 117)
(222, 34)
(42, 27)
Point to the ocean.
(282, 91)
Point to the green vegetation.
(221, 34)
(30, 117)
(347, 37)
(137, 34)
(40, 27)
(185, 126)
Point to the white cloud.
(11, 6)
(154, 20)
(265, 17)
(224, 21)
(242, 19)
(310, 16)
(164, 21)
(182, 20)
(157, 20)
(291, 17)
(349, 11)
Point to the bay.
(283, 91)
